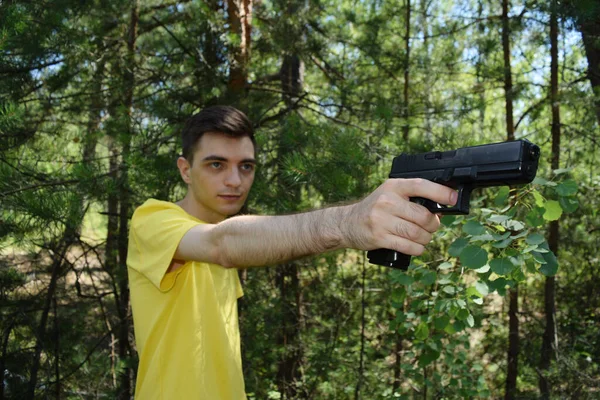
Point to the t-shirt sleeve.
(154, 236)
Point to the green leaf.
(427, 357)
(482, 288)
(514, 225)
(568, 204)
(445, 279)
(498, 219)
(403, 279)
(449, 289)
(500, 237)
(450, 329)
(457, 247)
(499, 285)
(535, 217)
(502, 266)
(458, 326)
(483, 269)
(567, 188)
(448, 220)
(502, 244)
(422, 331)
(473, 228)
(502, 196)
(544, 182)
(561, 171)
(529, 248)
(470, 321)
(472, 292)
(462, 314)
(473, 257)
(445, 265)
(535, 238)
(539, 257)
(428, 278)
(486, 237)
(553, 210)
(551, 266)
(539, 200)
(441, 322)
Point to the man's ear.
(184, 169)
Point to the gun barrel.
(505, 163)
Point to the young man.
(183, 257)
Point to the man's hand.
(387, 219)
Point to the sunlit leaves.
(553, 210)
(422, 331)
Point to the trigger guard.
(431, 205)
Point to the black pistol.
(464, 169)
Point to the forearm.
(263, 240)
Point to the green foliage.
(70, 141)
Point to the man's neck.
(196, 210)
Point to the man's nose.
(233, 178)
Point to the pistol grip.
(395, 259)
(389, 258)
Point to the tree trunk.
(513, 345)
(288, 275)
(41, 330)
(549, 293)
(590, 33)
(239, 13)
(426, 64)
(407, 74)
(398, 361)
(361, 362)
(513, 313)
(5, 338)
(508, 89)
(127, 377)
(56, 350)
(479, 69)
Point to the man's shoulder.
(152, 210)
(152, 206)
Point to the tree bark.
(288, 275)
(239, 13)
(406, 113)
(398, 361)
(41, 330)
(508, 88)
(5, 338)
(590, 33)
(548, 349)
(361, 362)
(513, 313)
(127, 377)
(513, 345)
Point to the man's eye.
(247, 167)
(215, 165)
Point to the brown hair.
(221, 119)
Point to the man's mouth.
(230, 196)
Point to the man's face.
(221, 175)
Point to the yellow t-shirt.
(186, 321)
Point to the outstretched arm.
(384, 219)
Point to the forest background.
(505, 302)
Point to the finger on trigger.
(418, 187)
